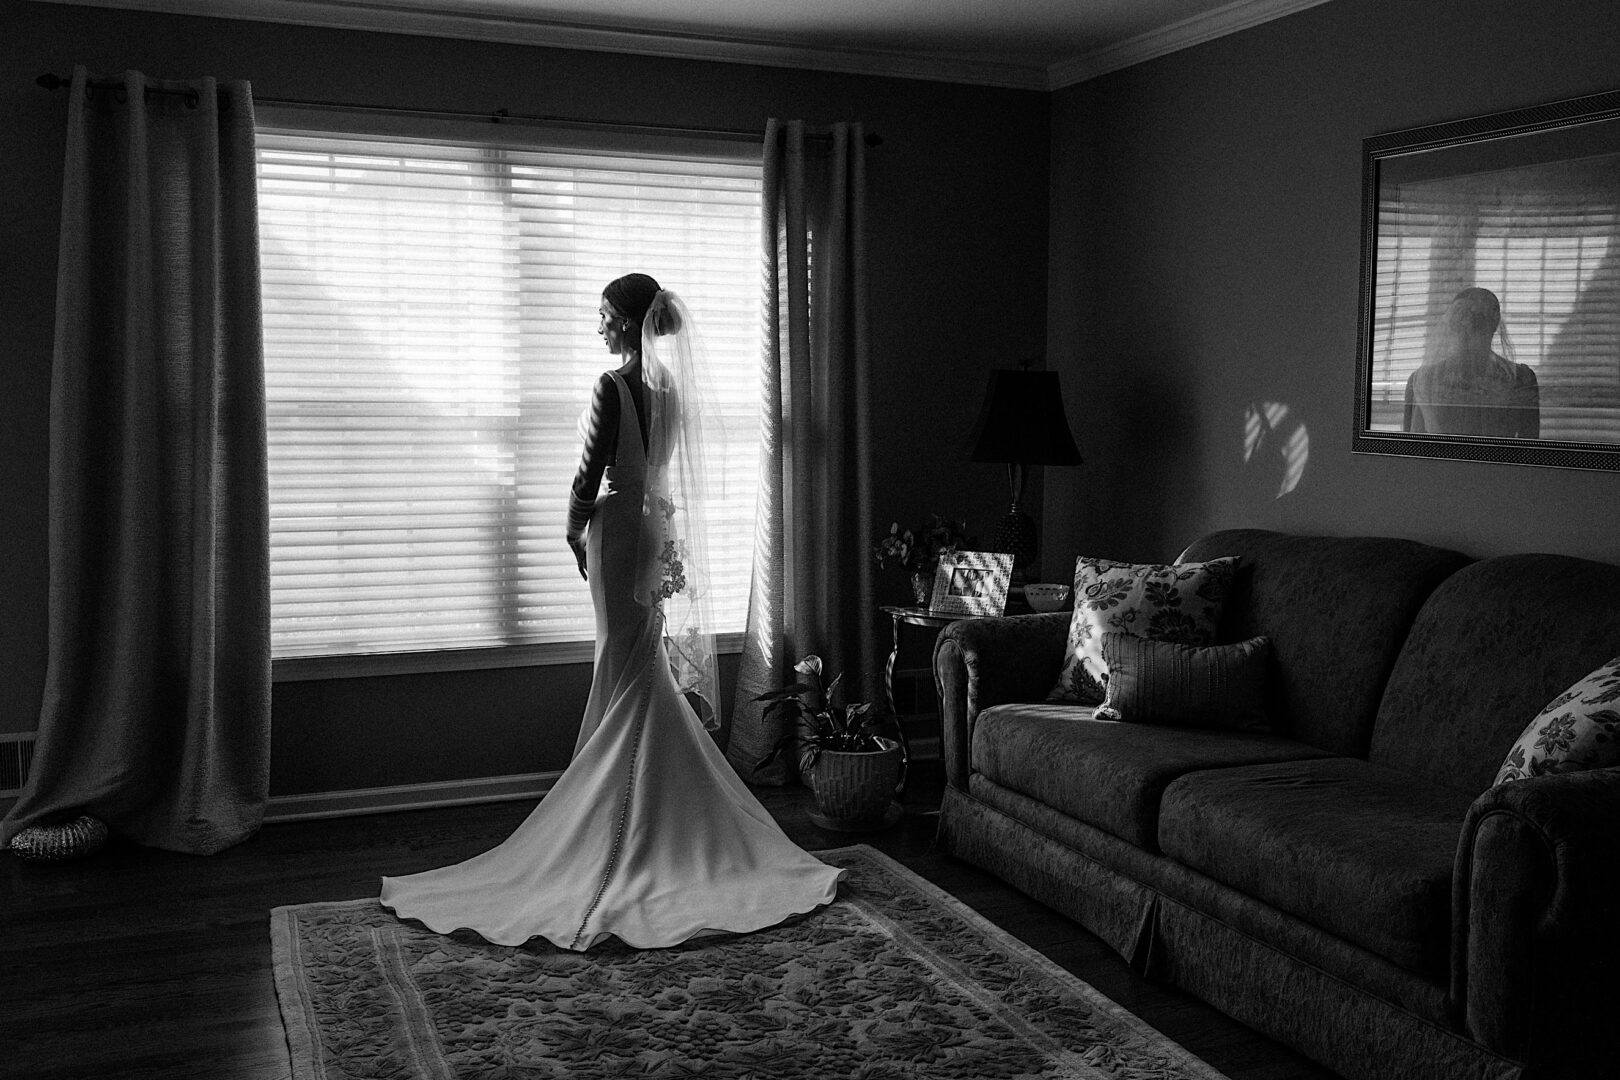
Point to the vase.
(922, 588)
(854, 789)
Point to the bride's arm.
(601, 435)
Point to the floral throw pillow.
(1180, 603)
(1579, 729)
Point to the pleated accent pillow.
(1180, 603)
(1579, 729)
(1161, 682)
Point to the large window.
(430, 343)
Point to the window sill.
(374, 665)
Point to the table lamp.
(1022, 424)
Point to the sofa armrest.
(1535, 948)
(983, 662)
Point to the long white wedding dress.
(649, 836)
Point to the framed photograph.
(972, 583)
(1490, 288)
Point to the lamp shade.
(1023, 422)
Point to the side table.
(909, 616)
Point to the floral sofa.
(1351, 882)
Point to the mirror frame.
(1601, 108)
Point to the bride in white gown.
(649, 836)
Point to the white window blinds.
(430, 320)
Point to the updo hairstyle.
(632, 296)
(1475, 311)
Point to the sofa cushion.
(1102, 772)
(1162, 603)
(1494, 644)
(1160, 682)
(1360, 851)
(1337, 611)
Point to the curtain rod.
(52, 81)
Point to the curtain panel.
(813, 582)
(156, 711)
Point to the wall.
(957, 234)
(1205, 259)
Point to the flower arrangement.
(818, 724)
(917, 551)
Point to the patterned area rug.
(895, 981)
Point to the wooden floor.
(141, 963)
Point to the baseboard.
(382, 800)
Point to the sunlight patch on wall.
(1277, 441)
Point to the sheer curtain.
(156, 713)
(813, 589)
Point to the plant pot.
(854, 790)
(922, 588)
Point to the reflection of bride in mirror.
(1466, 388)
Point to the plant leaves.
(804, 737)
(832, 687)
(791, 691)
(791, 708)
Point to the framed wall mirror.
(1490, 288)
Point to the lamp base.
(1015, 534)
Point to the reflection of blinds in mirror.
(1546, 241)
(1401, 315)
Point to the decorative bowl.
(1046, 597)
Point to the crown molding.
(516, 30)
(1230, 19)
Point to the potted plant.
(917, 551)
(852, 771)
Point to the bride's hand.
(579, 555)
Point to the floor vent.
(16, 754)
